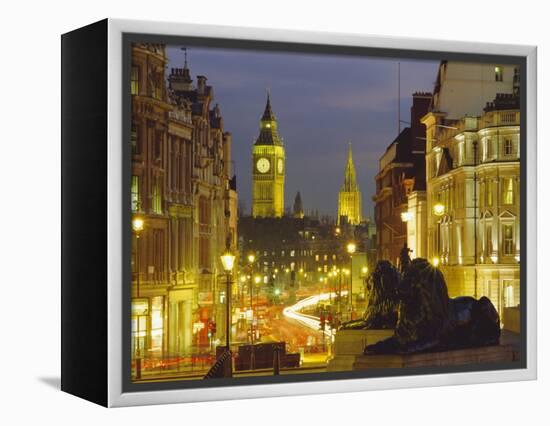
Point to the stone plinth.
(487, 354)
(349, 344)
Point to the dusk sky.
(322, 102)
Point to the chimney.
(201, 84)
(419, 108)
(180, 79)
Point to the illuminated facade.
(473, 177)
(183, 189)
(268, 168)
(349, 198)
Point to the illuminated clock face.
(280, 166)
(263, 165)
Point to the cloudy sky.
(322, 102)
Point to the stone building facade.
(184, 190)
(474, 173)
(400, 188)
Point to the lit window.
(135, 194)
(508, 191)
(498, 73)
(489, 193)
(317, 258)
(157, 322)
(157, 197)
(508, 293)
(489, 241)
(507, 147)
(134, 140)
(508, 239)
(134, 80)
(487, 149)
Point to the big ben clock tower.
(268, 168)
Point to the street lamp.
(351, 247)
(228, 261)
(364, 275)
(137, 226)
(438, 210)
(251, 259)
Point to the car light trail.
(310, 321)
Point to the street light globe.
(228, 260)
(435, 261)
(243, 278)
(439, 209)
(364, 270)
(406, 216)
(351, 248)
(251, 258)
(257, 279)
(137, 224)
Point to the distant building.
(298, 208)
(400, 188)
(473, 185)
(349, 198)
(268, 168)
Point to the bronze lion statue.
(428, 320)
(383, 300)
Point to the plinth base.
(349, 344)
(487, 354)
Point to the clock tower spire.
(268, 168)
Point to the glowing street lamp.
(406, 216)
(439, 209)
(351, 247)
(435, 261)
(228, 261)
(138, 223)
(251, 258)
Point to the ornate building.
(268, 165)
(184, 190)
(349, 198)
(473, 173)
(473, 186)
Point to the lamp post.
(364, 275)
(438, 210)
(137, 226)
(251, 259)
(228, 260)
(351, 247)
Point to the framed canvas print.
(253, 212)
